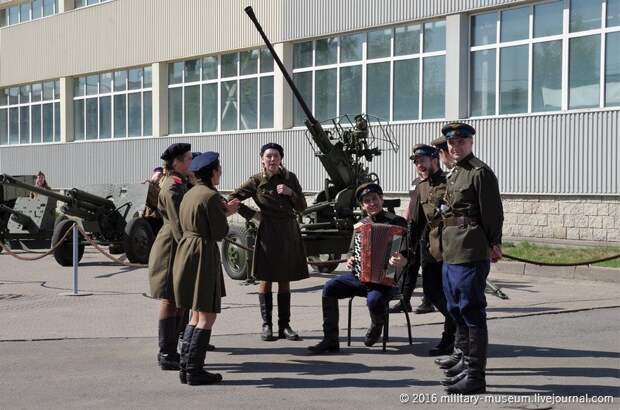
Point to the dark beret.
(158, 169)
(203, 160)
(367, 188)
(458, 129)
(272, 145)
(175, 150)
(423, 150)
(195, 154)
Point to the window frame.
(365, 61)
(564, 37)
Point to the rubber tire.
(139, 238)
(237, 270)
(64, 253)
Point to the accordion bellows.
(377, 242)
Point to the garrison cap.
(367, 188)
(423, 150)
(175, 150)
(272, 145)
(203, 160)
(458, 129)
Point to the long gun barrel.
(9, 180)
(334, 161)
(21, 218)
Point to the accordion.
(376, 243)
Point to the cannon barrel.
(9, 180)
(82, 197)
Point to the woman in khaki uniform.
(177, 159)
(197, 272)
(279, 255)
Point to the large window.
(221, 93)
(548, 56)
(26, 11)
(113, 105)
(30, 114)
(396, 73)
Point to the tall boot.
(196, 375)
(446, 344)
(266, 310)
(168, 357)
(474, 381)
(284, 317)
(461, 344)
(330, 342)
(374, 331)
(185, 342)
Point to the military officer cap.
(367, 188)
(440, 143)
(204, 160)
(423, 150)
(458, 130)
(272, 145)
(175, 150)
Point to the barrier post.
(75, 243)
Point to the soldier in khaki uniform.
(177, 159)
(426, 229)
(279, 254)
(471, 239)
(198, 278)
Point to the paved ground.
(552, 337)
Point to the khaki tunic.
(279, 254)
(197, 272)
(472, 192)
(164, 247)
(427, 221)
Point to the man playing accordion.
(370, 197)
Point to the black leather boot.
(266, 310)
(196, 375)
(474, 381)
(461, 344)
(330, 343)
(424, 307)
(185, 342)
(449, 381)
(168, 358)
(284, 317)
(374, 331)
(446, 344)
(400, 307)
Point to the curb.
(592, 273)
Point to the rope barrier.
(107, 254)
(43, 255)
(539, 263)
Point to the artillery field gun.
(112, 215)
(345, 147)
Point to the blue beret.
(367, 188)
(175, 150)
(272, 145)
(458, 129)
(203, 160)
(195, 154)
(424, 150)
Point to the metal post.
(75, 243)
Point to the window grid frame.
(238, 77)
(420, 56)
(30, 13)
(565, 37)
(54, 102)
(112, 93)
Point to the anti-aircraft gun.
(344, 146)
(114, 218)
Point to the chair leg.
(386, 329)
(349, 323)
